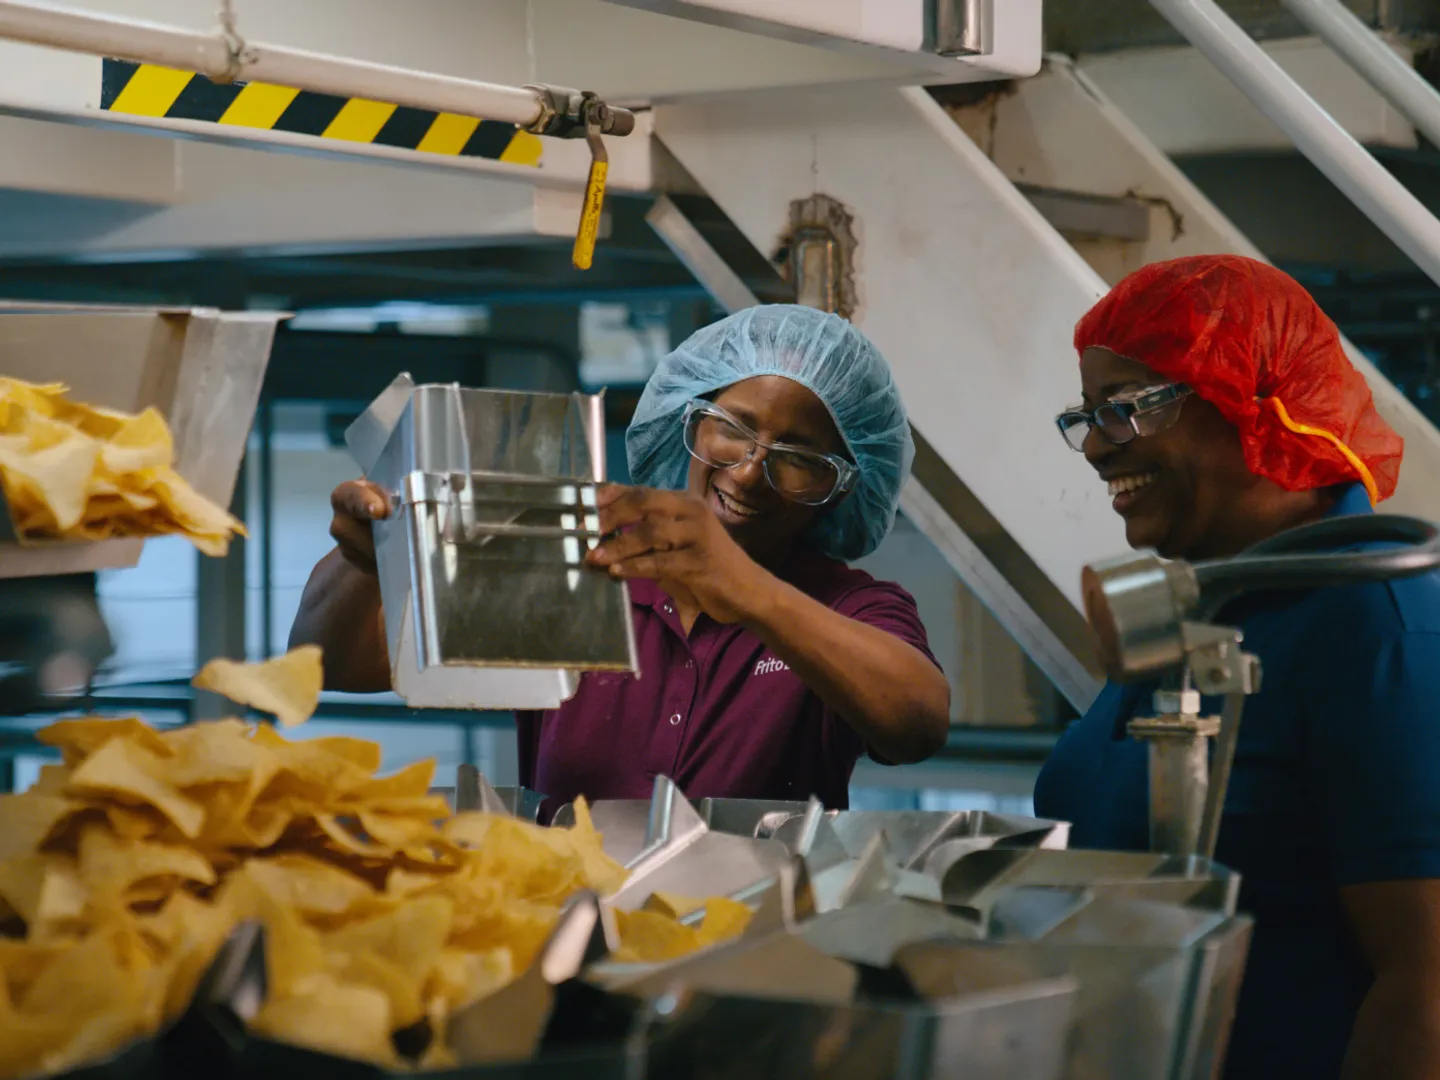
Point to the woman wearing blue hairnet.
(770, 446)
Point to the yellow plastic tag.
(584, 253)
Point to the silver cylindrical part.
(1179, 751)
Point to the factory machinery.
(883, 944)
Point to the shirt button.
(675, 720)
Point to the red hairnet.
(1251, 341)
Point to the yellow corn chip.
(58, 477)
(125, 769)
(413, 781)
(392, 980)
(109, 866)
(78, 739)
(648, 937)
(70, 471)
(724, 919)
(333, 1017)
(308, 885)
(44, 890)
(27, 820)
(288, 687)
(672, 906)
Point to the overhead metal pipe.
(1328, 146)
(226, 58)
(1374, 61)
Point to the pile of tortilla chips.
(76, 472)
(126, 866)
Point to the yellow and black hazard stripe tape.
(149, 90)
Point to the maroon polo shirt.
(716, 711)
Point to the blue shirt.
(1336, 781)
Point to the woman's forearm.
(340, 611)
(894, 697)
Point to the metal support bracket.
(817, 255)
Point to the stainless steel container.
(487, 600)
(200, 367)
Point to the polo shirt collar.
(1351, 501)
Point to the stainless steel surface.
(1220, 768)
(808, 1014)
(1135, 604)
(964, 27)
(509, 1024)
(1078, 916)
(624, 823)
(976, 881)
(1151, 942)
(846, 853)
(1156, 1010)
(748, 817)
(1014, 1033)
(472, 791)
(1179, 769)
(873, 931)
(366, 437)
(201, 368)
(681, 855)
(481, 569)
(929, 840)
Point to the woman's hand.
(673, 538)
(356, 504)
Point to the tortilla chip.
(287, 687)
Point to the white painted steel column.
(1383, 199)
(210, 55)
(1374, 61)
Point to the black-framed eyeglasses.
(719, 440)
(1125, 416)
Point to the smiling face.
(1185, 490)
(760, 519)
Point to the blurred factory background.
(450, 301)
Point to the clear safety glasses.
(1145, 411)
(719, 440)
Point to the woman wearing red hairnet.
(1220, 409)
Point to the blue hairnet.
(821, 352)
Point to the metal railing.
(1373, 60)
(1315, 133)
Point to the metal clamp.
(569, 114)
(238, 51)
(1215, 662)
